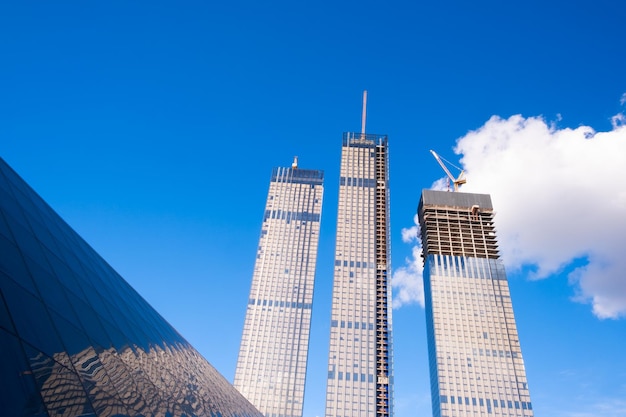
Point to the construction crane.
(456, 181)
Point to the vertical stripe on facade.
(360, 378)
(476, 365)
(271, 367)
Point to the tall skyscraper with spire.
(476, 365)
(360, 376)
(271, 366)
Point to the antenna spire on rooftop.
(364, 115)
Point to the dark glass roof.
(77, 339)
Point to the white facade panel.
(476, 361)
(359, 364)
(271, 367)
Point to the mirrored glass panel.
(77, 340)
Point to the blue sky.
(152, 128)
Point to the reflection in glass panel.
(85, 343)
(19, 394)
(59, 386)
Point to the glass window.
(5, 320)
(50, 290)
(4, 228)
(90, 322)
(13, 211)
(11, 263)
(119, 341)
(30, 317)
(74, 339)
(19, 394)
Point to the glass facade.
(476, 365)
(360, 378)
(271, 367)
(77, 340)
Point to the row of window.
(466, 267)
(355, 264)
(358, 182)
(471, 295)
(350, 376)
(458, 400)
(278, 303)
(297, 176)
(303, 216)
(352, 325)
(363, 140)
(295, 197)
(456, 328)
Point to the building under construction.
(476, 365)
(360, 380)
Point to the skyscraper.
(77, 340)
(476, 365)
(271, 367)
(360, 377)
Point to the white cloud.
(622, 100)
(442, 184)
(618, 120)
(408, 287)
(411, 234)
(606, 407)
(560, 203)
(560, 197)
(407, 281)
